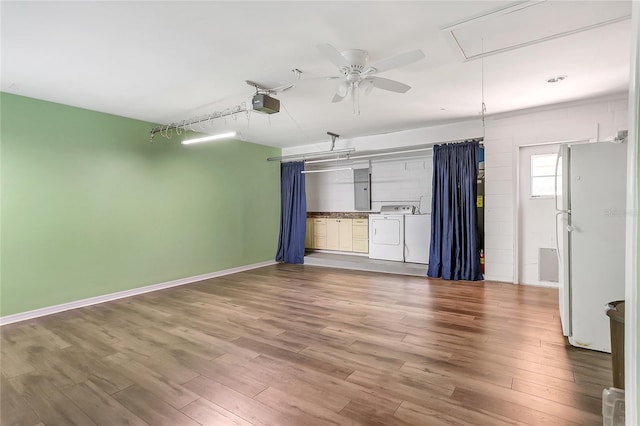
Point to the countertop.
(343, 215)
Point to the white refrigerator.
(591, 206)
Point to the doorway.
(537, 248)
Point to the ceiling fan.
(359, 74)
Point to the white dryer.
(386, 233)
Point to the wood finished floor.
(303, 345)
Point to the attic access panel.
(524, 23)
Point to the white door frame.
(518, 196)
(631, 275)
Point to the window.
(543, 175)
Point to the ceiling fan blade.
(332, 54)
(395, 61)
(390, 85)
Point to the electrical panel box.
(362, 189)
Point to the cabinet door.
(346, 234)
(361, 235)
(360, 230)
(308, 242)
(333, 234)
(361, 246)
(320, 233)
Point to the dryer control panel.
(399, 209)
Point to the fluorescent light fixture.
(210, 138)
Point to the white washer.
(386, 233)
(417, 238)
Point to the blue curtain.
(293, 213)
(454, 252)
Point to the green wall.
(91, 207)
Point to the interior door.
(536, 210)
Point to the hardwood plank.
(449, 411)
(151, 409)
(13, 363)
(513, 411)
(368, 414)
(296, 344)
(221, 345)
(176, 395)
(14, 409)
(405, 389)
(308, 412)
(100, 406)
(295, 358)
(332, 387)
(232, 371)
(207, 413)
(312, 392)
(169, 362)
(103, 375)
(352, 360)
(242, 406)
(574, 399)
(414, 414)
(51, 405)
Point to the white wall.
(392, 181)
(596, 119)
(330, 191)
(405, 138)
(398, 181)
(593, 120)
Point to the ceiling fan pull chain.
(353, 99)
(356, 96)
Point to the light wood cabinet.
(339, 234)
(360, 235)
(308, 241)
(320, 233)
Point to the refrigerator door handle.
(558, 238)
(568, 228)
(555, 188)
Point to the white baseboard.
(545, 285)
(23, 316)
(346, 253)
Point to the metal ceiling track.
(188, 125)
(331, 153)
(310, 155)
(387, 153)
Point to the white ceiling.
(165, 62)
